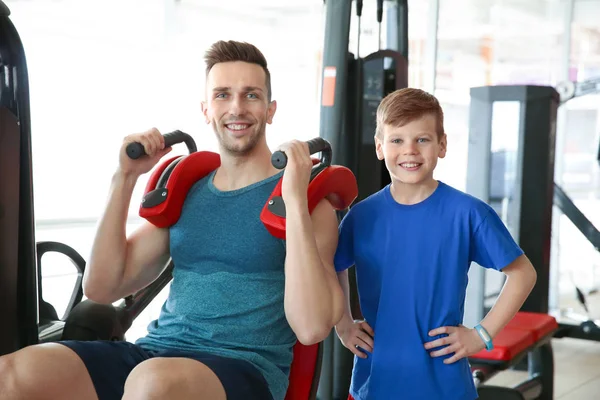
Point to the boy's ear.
(379, 148)
(443, 146)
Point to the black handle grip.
(135, 150)
(316, 145)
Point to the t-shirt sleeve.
(492, 245)
(344, 255)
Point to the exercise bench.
(527, 335)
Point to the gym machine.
(352, 88)
(588, 328)
(512, 133)
(517, 179)
(18, 277)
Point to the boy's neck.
(237, 172)
(412, 193)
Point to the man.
(240, 297)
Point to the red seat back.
(305, 372)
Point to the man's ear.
(271, 111)
(379, 148)
(205, 111)
(443, 146)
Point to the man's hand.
(154, 146)
(461, 341)
(296, 177)
(355, 336)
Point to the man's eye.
(220, 96)
(252, 95)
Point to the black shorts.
(109, 365)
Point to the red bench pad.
(538, 324)
(507, 345)
(521, 333)
(302, 372)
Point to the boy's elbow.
(532, 275)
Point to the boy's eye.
(423, 140)
(396, 140)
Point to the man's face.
(237, 105)
(411, 151)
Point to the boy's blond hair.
(406, 105)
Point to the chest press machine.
(30, 320)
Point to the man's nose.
(236, 106)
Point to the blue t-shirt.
(228, 285)
(411, 266)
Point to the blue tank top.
(226, 297)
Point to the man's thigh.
(108, 364)
(45, 371)
(185, 375)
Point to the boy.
(412, 243)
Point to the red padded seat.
(507, 345)
(539, 324)
(305, 366)
(521, 333)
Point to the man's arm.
(314, 301)
(119, 266)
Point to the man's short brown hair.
(406, 105)
(229, 51)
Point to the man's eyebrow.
(246, 89)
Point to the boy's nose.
(410, 148)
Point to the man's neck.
(237, 172)
(413, 193)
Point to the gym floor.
(576, 370)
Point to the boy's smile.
(411, 166)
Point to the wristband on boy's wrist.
(485, 336)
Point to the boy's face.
(411, 151)
(237, 105)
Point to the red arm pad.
(336, 183)
(155, 176)
(190, 170)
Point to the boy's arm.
(462, 341)
(521, 278)
(353, 335)
(347, 318)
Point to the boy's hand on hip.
(356, 336)
(461, 341)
